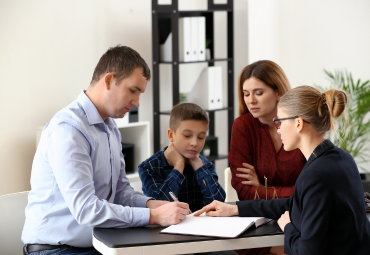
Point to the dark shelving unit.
(128, 151)
(134, 115)
(165, 20)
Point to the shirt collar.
(92, 114)
(319, 150)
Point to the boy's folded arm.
(159, 188)
(208, 182)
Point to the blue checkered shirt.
(159, 178)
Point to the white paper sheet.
(227, 227)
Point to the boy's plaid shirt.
(159, 178)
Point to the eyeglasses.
(277, 121)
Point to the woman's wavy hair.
(266, 71)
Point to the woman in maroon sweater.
(256, 149)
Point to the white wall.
(304, 37)
(313, 35)
(331, 34)
(49, 48)
(263, 30)
(48, 52)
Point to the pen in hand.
(176, 199)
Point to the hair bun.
(336, 100)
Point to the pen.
(176, 199)
(173, 196)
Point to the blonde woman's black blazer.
(327, 209)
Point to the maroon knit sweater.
(251, 143)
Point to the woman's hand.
(367, 201)
(219, 209)
(249, 173)
(284, 219)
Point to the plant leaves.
(353, 133)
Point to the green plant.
(206, 147)
(208, 42)
(353, 133)
(182, 97)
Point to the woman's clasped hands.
(249, 173)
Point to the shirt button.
(112, 157)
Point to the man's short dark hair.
(187, 111)
(121, 61)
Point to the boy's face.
(189, 137)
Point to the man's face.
(189, 137)
(121, 97)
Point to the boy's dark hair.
(187, 111)
(121, 61)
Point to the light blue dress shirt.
(77, 164)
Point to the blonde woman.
(326, 214)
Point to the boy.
(179, 167)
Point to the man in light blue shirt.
(78, 175)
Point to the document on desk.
(226, 227)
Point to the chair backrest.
(137, 186)
(231, 195)
(12, 217)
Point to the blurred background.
(49, 49)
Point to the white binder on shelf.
(215, 79)
(166, 50)
(185, 39)
(201, 38)
(207, 91)
(194, 38)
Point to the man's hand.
(152, 204)
(174, 158)
(284, 219)
(219, 209)
(195, 162)
(249, 173)
(169, 214)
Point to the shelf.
(137, 133)
(165, 20)
(133, 177)
(205, 61)
(133, 124)
(213, 110)
(204, 11)
(215, 157)
(191, 12)
(128, 151)
(185, 13)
